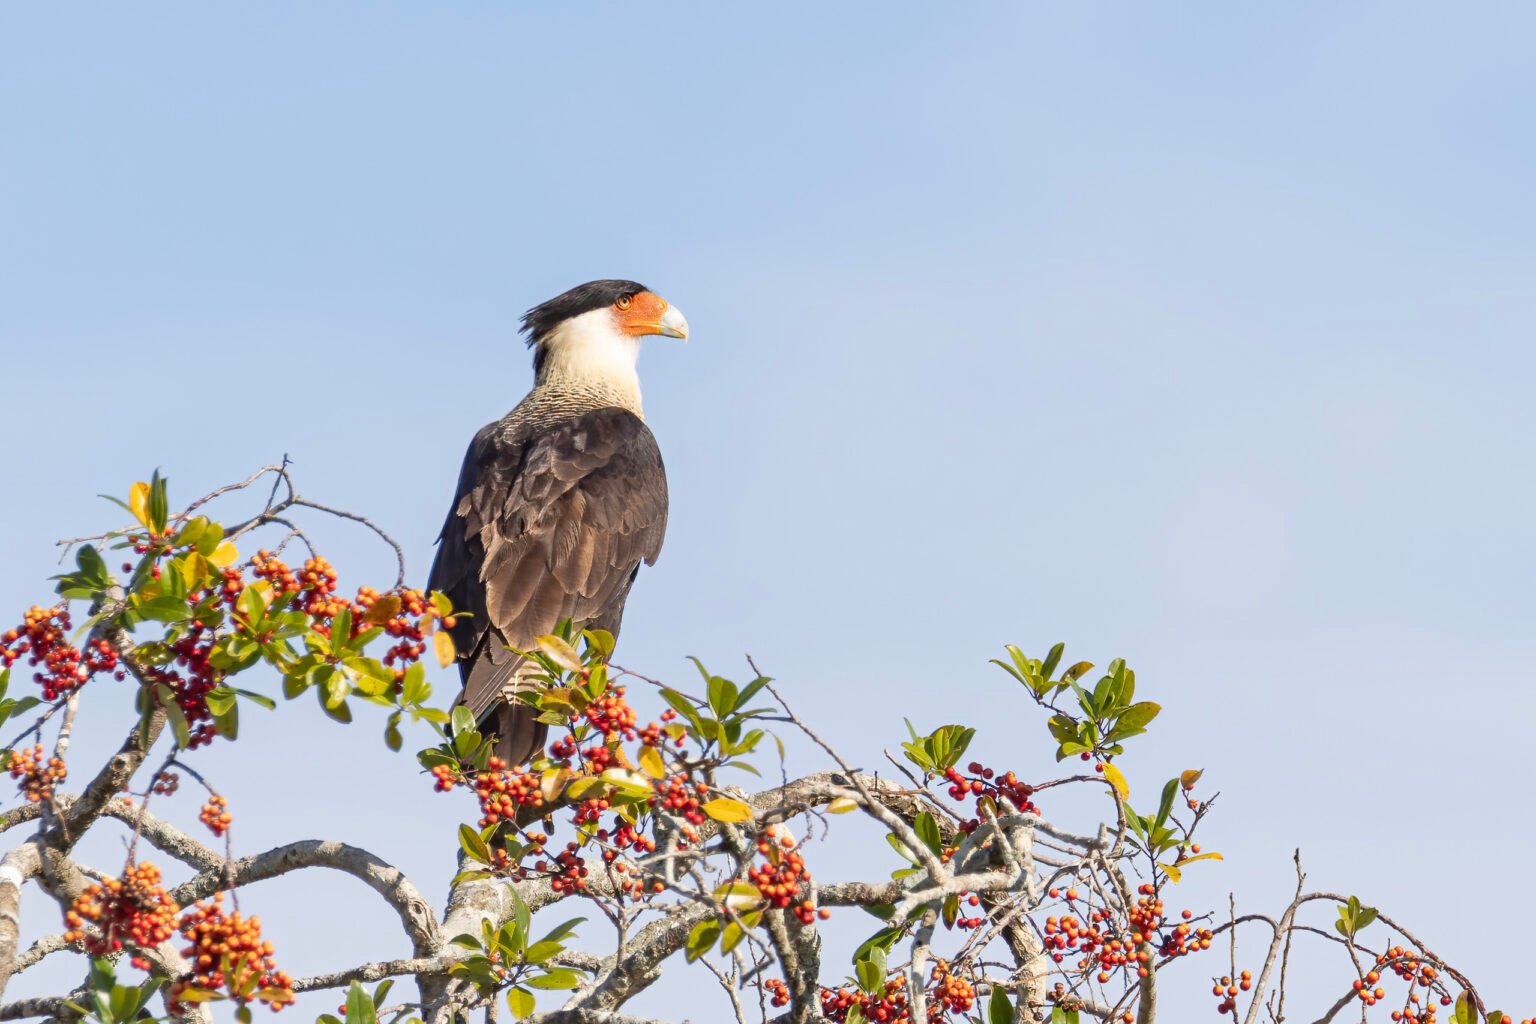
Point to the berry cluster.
(317, 590)
(887, 1006)
(502, 792)
(228, 953)
(37, 776)
(778, 992)
(984, 782)
(132, 909)
(1185, 939)
(405, 615)
(624, 836)
(1226, 990)
(191, 680)
(568, 871)
(215, 815)
(63, 667)
(1109, 945)
(408, 624)
(165, 784)
(969, 900)
(950, 992)
(595, 760)
(677, 795)
(611, 715)
(782, 874)
(1411, 968)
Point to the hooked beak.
(673, 323)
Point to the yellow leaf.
(652, 764)
(629, 782)
(739, 896)
(224, 555)
(552, 782)
(442, 643)
(138, 502)
(382, 610)
(842, 805)
(582, 787)
(560, 652)
(723, 808)
(1174, 874)
(1116, 778)
(197, 995)
(1201, 856)
(194, 567)
(1188, 778)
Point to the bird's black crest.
(584, 298)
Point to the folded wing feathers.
(547, 526)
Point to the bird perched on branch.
(558, 502)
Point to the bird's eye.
(623, 301)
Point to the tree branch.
(388, 881)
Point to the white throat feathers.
(589, 353)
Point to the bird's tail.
(520, 735)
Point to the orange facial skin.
(641, 313)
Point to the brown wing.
(546, 525)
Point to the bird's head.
(593, 331)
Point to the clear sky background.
(1196, 334)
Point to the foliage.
(986, 910)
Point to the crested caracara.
(558, 502)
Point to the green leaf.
(701, 939)
(159, 504)
(360, 1008)
(220, 699)
(173, 714)
(682, 705)
(999, 1010)
(228, 722)
(1052, 660)
(1165, 805)
(563, 929)
(901, 848)
(928, 831)
(751, 690)
(541, 951)
(474, 845)
(723, 696)
(871, 970)
(520, 1003)
(561, 978)
(392, 738)
(883, 940)
(335, 688)
(521, 915)
(1077, 671)
(1063, 728)
(1137, 715)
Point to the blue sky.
(1193, 334)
